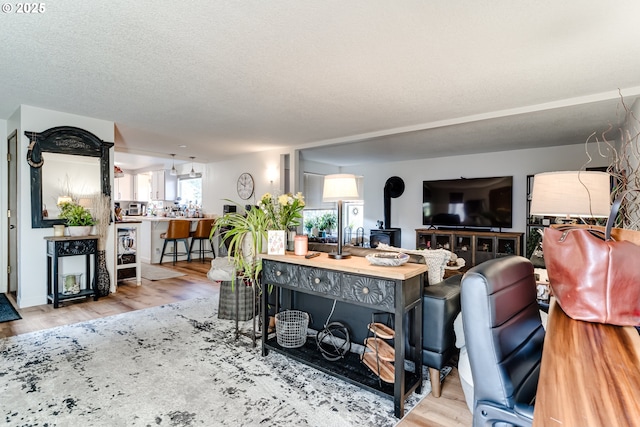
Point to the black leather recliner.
(504, 338)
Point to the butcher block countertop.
(355, 264)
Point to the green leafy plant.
(310, 223)
(327, 221)
(244, 236)
(284, 211)
(75, 215)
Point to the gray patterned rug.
(174, 365)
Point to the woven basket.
(291, 328)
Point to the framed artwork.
(276, 242)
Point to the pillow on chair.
(222, 270)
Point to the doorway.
(12, 214)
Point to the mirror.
(65, 161)
(67, 175)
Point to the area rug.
(7, 311)
(174, 365)
(152, 272)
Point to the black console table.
(394, 290)
(65, 246)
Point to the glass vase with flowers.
(284, 213)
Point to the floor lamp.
(571, 194)
(337, 188)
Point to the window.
(353, 210)
(190, 190)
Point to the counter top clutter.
(159, 218)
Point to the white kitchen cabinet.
(163, 185)
(123, 188)
(143, 187)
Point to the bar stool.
(178, 231)
(202, 232)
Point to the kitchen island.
(150, 242)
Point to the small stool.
(178, 231)
(203, 231)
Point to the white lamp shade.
(571, 194)
(339, 187)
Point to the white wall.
(32, 259)
(219, 181)
(406, 210)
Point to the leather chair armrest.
(524, 410)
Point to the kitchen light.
(174, 171)
(192, 174)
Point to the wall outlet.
(158, 251)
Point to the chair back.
(203, 229)
(504, 337)
(178, 229)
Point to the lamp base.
(335, 255)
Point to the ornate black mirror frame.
(63, 140)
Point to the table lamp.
(337, 188)
(571, 194)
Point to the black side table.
(64, 246)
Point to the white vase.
(79, 230)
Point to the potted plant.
(310, 224)
(245, 235)
(78, 218)
(328, 222)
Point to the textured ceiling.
(228, 77)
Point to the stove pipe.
(393, 188)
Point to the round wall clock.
(245, 186)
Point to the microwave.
(135, 209)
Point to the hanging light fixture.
(192, 174)
(174, 171)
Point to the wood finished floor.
(449, 410)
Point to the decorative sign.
(276, 242)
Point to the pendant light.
(174, 171)
(192, 174)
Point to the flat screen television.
(468, 202)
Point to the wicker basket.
(291, 328)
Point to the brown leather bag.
(594, 276)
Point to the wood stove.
(393, 188)
(389, 236)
